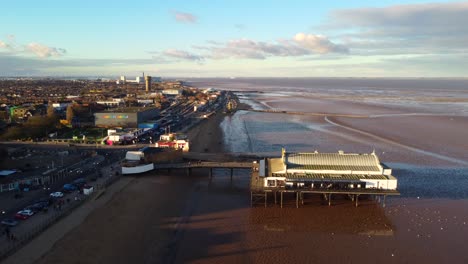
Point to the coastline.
(207, 136)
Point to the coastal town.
(65, 142)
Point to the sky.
(202, 38)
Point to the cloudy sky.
(203, 38)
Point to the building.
(124, 136)
(174, 141)
(339, 171)
(171, 91)
(148, 83)
(144, 159)
(124, 80)
(21, 112)
(125, 117)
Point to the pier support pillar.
(275, 196)
(329, 199)
(281, 199)
(251, 199)
(232, 172)
(384, 198)
(297, 199)
(210, 176)
(302, 198)
(357, 200)
(266, 199)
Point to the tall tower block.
(148, 83)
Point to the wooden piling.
(281, 194)
(232, 172)
(297, 199)
(210, 176)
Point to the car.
(36, 207)
(56, 195)
(9, 222)
(48, 201)
(69, 188)
(24, 214)
(79, 182)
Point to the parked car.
(36, 207)
(24, 214)
(49, 201)
(69, 188)
(9, 222)
(56, 195)
(79, 182)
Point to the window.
(271, 183)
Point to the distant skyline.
(205, 38)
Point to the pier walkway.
(205, 164)
(188, 166)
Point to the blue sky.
(204, 38)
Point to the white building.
(171, 91)
(328, 170)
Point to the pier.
(327, 175)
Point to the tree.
(70, 113)
(51, 111)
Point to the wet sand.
(224, 229)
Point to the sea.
(417, 102)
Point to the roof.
(275, 165)
(327, 177)
(332, 161)
(6, 172)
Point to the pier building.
(329, 170)
(348, 174)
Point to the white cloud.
(404, 29)
(180, 54)
(300, 45)
(44, 51)
(246, 48)
(318, 44)
(184, 17)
